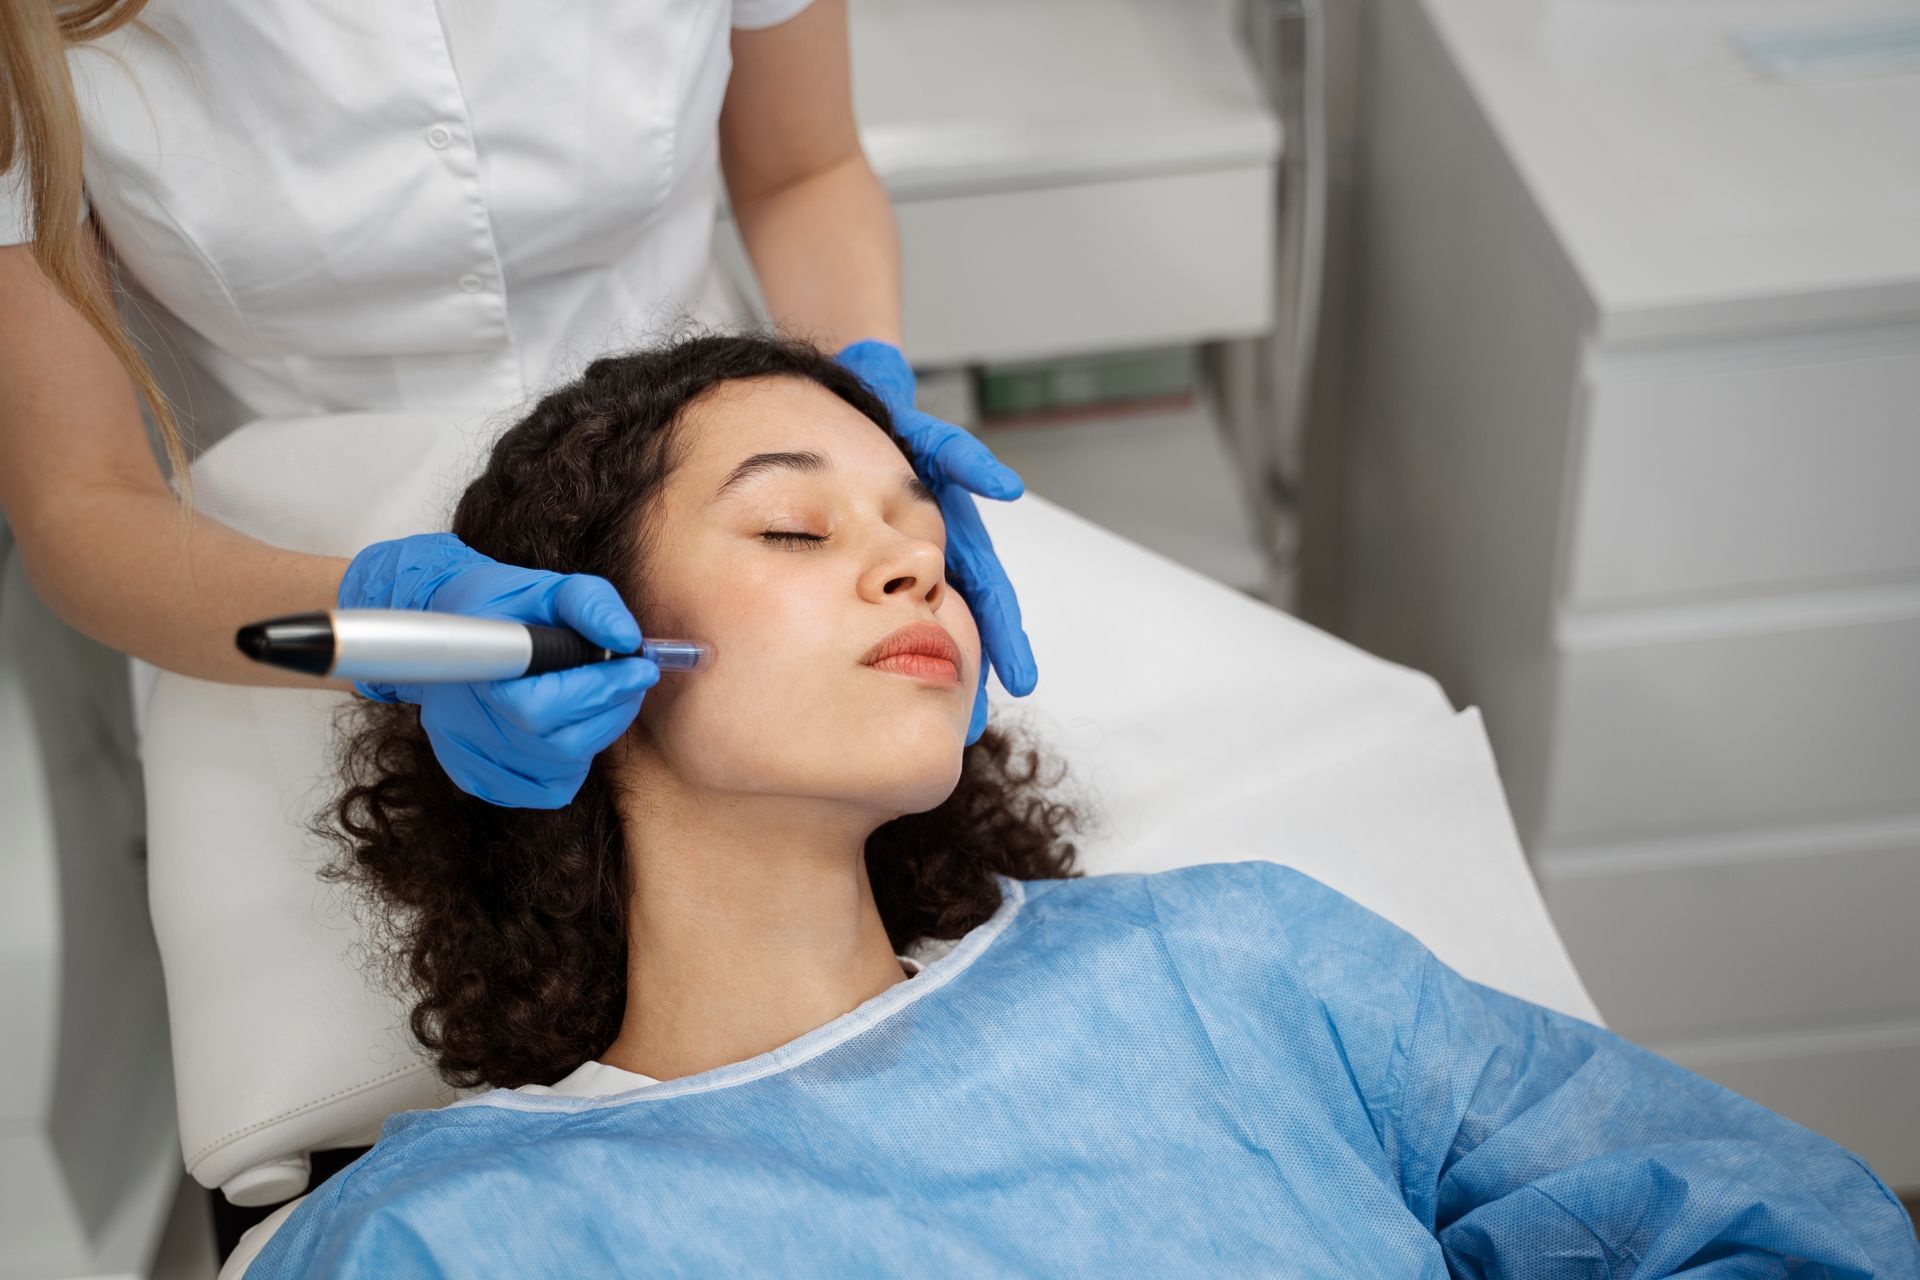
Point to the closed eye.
(793, 539)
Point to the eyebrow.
(805, 461)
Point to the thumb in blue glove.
(525, 743)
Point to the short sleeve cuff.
(752, 15)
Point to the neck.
(751, 923)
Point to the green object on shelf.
(1008, 390)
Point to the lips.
(918, 649)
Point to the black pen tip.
(299, 642)
(252, 640)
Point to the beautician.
(410, 205)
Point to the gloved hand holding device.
(955, 465)
(524, 743)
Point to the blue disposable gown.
(1222, 1070)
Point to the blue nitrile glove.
(955, 465)
(523, 743)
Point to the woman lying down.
(801, 984)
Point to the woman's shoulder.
(1252, 911)
(1250, 889)
(410, 1162)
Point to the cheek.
(958, 619)
(774, 620)
(772, 639)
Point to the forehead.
(765, 415)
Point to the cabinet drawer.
(1792, 930)
(1808, 721)
(1758, 468)
(1093, 266)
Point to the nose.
(906, 566)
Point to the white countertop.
(1695, 192)
(974, 95)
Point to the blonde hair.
(40, 117)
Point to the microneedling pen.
(413, 646)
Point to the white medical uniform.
(382, 205)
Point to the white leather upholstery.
(1203, 726)
(254, 1239)
(280, 1045)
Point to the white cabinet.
(1634, 465)
(1072, 177)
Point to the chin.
(915, 778)
(927, 793)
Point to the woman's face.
(789, 704)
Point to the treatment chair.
(1201, 726)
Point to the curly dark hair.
(505, 929)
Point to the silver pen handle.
(410, 646)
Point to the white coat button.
(439, 136)
(472, 283)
